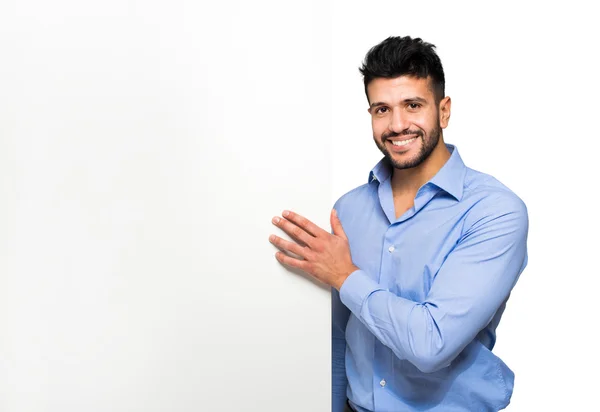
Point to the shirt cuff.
(356, 289)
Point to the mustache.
(388, 135)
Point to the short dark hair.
(404, 56)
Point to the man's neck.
(406, 182)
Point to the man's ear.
(445, 106)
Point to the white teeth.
(403, 143)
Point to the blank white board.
(144, 149)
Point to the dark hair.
(404, 56)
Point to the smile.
(403, 142)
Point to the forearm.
(429, 334)
(408, 328)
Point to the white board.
(145, 147)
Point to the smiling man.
(422, 258)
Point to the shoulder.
(354, 196)
(489, 199)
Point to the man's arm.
(471, 285)
(339, 380)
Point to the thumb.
(336, 225)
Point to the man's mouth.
(401, 143)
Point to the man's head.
(404, 83)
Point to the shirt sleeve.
(339, 380)
(469, 288)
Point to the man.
(422, 258)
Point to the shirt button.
(382, 383)
(391, 249)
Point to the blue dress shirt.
(413, 329)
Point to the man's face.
(407, 122)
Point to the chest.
(406, 256)
(402, 204)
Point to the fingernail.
(285, 213)
(272, 238)
(275, 220)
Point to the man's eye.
(414, 106)
(381, 110)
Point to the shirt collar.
(450, 178)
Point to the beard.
(428, 143)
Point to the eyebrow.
(407, 100)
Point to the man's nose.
(398, 121)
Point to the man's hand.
(324, 256)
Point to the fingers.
(294, 231)
(288, 246)
(304, 223)
(290, 261)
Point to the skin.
(401, 108)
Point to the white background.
(145, 146)
(523, 78)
